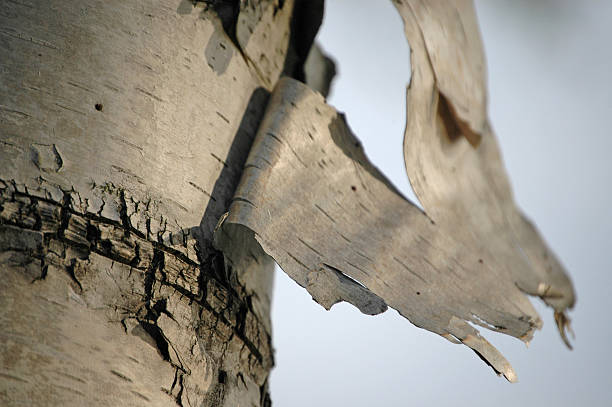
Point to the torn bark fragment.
(452, 157)
(314, 202)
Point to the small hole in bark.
(98, 107)
(418, 293)
(480, 261)
(40, 55)
(222, 376)
(353, 187)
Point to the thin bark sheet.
(339, 228)
(456, 169)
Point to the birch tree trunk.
(127, 278)
(124, 126)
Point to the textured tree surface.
(124, 127)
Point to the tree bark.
(131, 218)
(124, 127)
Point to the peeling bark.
(339, 228)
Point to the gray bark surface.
(123, 130)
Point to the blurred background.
(550, 102)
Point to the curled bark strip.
(463, 185)
(314, 201)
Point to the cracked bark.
(124, 128)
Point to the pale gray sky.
(550, 99)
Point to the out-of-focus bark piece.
(451, 40)
(463, 186)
